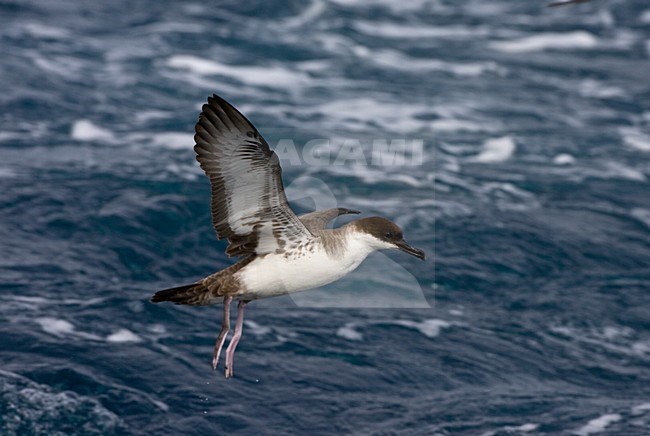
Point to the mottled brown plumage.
(209, 290)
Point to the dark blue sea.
(523, 172)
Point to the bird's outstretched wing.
(249, 206)
(315, 221)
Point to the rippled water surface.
(531, 197)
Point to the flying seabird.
(280, 252)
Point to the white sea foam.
(148, 115)
(579, 39)
(268, 75)
(496, 150)
(157, 328)
(36, 303)
(372, 175)
(642, 215)
(256, 329)
(641, 348)
(598, 425)
(564, 159)
(618, 170)
(509, 197)
(413, 5)
(40, 30)
(38, 409)
(187, 172)
(379, 203)
(348, 332)
(385, 29)
(397, 117)
(123, 335)
(173, 140)
(159, 404)
(7, 173)
(356, 114)
(614, 332)
(10, 136)
(615, 339)
(63, 66)
(429, 327)
(645, 16)
(635, 138)
(60, 327)
(79, 301)
(308, 15)
(160, 27)
(86, 130)
(641, 409)
(315, 66)
(598, 89)
(455, 125)
(524, 428)
(55, 326)
(398, 61)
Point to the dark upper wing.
(315, 221)
(249, 206)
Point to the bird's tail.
(196, 294)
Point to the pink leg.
(230, 351)
(225, 328)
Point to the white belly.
(274, 274)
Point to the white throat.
(363, 243)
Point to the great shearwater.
(281, 252)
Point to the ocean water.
(530, 195)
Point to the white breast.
(276, 274)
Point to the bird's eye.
(389, 235)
